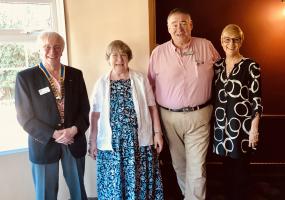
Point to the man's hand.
(65, 136)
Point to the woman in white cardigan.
(125, 135)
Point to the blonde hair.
(118, 45)
(233, 30)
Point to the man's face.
(51, 51)
(179, 27)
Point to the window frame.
(23, 36)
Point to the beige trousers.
(188, 138)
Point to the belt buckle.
(186, 109)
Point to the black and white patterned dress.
(237, 100)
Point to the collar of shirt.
(187, 50)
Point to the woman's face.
(119, 60)
(231, 44)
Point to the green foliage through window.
(13, 58)
(25, 19)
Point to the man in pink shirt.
(181, 73)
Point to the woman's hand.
(253, 138)
(92, 150)
(253, 133)
(158, 142)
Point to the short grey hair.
(178, 10)
(118, 45)
(50, 34)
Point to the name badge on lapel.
(44, 90)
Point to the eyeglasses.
(228, 40)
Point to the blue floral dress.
(130, 172)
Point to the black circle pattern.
(237, 98)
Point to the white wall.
(16, 181)
(15, 177)
(91, 26)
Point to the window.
(20, 23)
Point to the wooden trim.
(251, 163)
(275, 116)
(152, 25)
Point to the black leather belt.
(187, 109)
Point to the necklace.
(58, 94)
(230, 64)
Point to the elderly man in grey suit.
(52, 107)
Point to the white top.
(142, 97)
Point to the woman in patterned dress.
(237, 110)
(125, 135)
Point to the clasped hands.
(65, 136)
